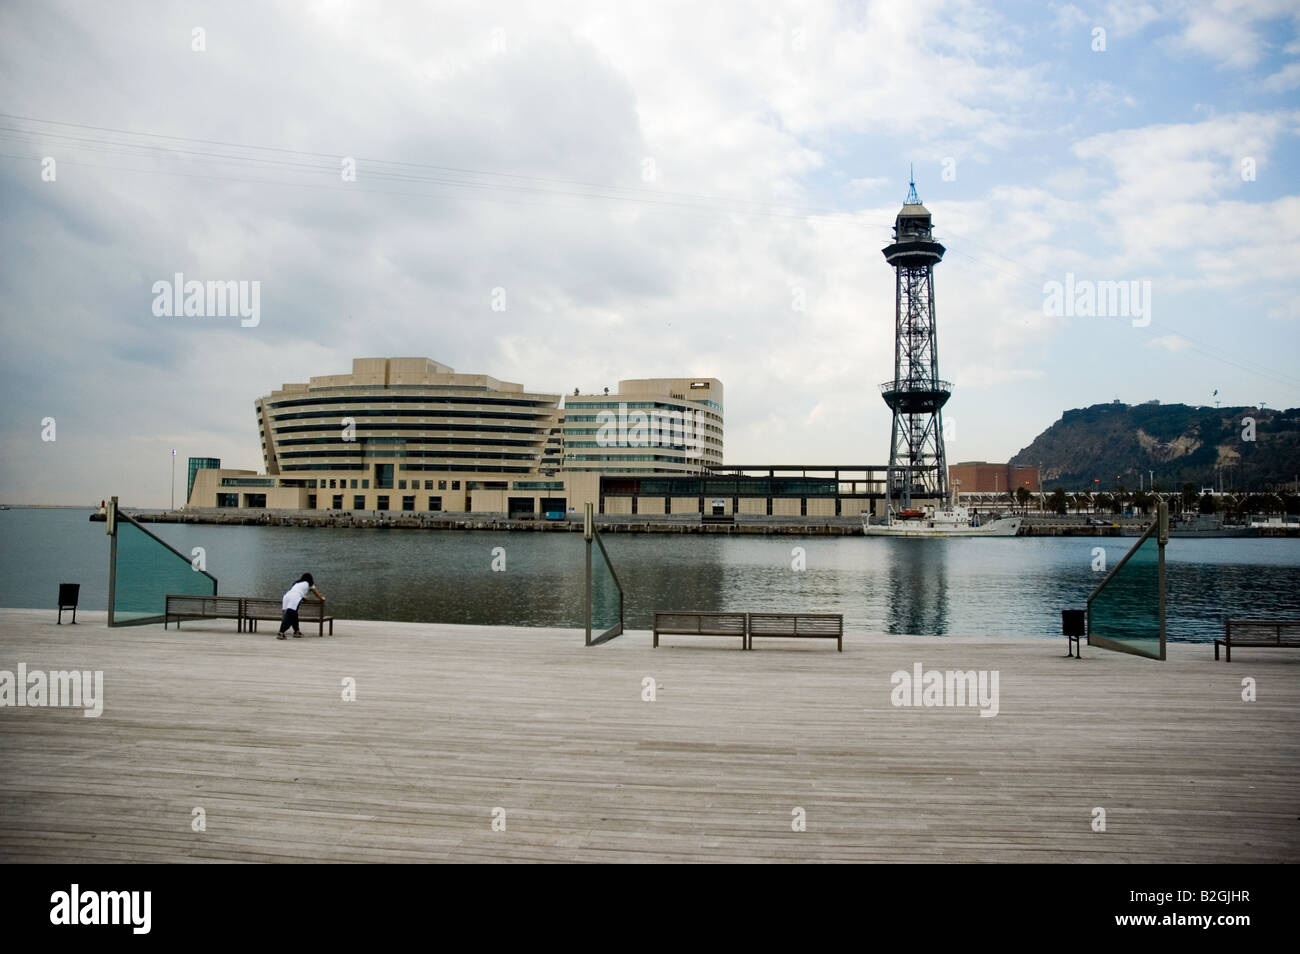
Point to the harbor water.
(995, 587)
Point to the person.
(290, 603)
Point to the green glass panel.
(606, 600)
(1126, 610)
(147, 570)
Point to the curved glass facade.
(405, 414)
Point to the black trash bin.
(1074, 624)
(68, 593)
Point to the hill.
(1179, 443)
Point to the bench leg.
(840, 641)
(656, 644)
(1216, 650)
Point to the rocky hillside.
(1179, 443)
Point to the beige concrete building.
(649, 426)
(412, 435)
(402, 434)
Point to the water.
(988, 586)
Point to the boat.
(952, 521)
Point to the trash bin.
(68, 593)
(1074, 624)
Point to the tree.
(1189, 496)
(1058, 501)
(1022, 497)
(1142, 501)
(1102, 501)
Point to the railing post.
(586, 535)
(1162, 538)
(110, 527)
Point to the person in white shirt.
(290, 603)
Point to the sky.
(567, 194)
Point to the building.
(649, 426)
(979, 477)
(197, 464)
(401, 434)
(409, 434)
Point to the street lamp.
(173, 478)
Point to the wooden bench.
(798, 625)
(180, 606)
(680, 623)
(264, 608)
(1272, 633)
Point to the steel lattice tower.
(917, 467)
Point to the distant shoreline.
(743, 525)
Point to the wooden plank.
(451, 722)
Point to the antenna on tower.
(912, 197)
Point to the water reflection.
(918, 587)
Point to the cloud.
(1287, 78)
(507, 147)
(1172, 343)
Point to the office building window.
(359, 502)
(381, 502)
(455, 485)
(442, 485)
(337, 502)
(408, 503)
(435, 503)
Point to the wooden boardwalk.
(452, 722)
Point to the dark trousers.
(290, 619)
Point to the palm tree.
(1058, 501)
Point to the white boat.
(952, 521)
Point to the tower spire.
(912, 197)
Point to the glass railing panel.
(606, 595)
(1126, 612)
(145, 570)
